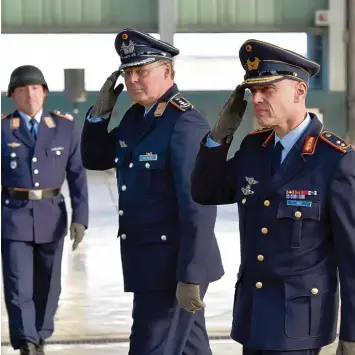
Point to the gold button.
(259, 285)
(328, 135)
(342, 144)
(338, 142)
(244, 201)
(314, 291)
(264, 230)
(261, 257)
(267, 203)
(298, 214)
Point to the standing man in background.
(168, 247)
(294, 183)
(39, 149)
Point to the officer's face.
(276, 103)
(29, 99)
(147, 83)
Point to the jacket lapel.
(147, 123)
(20, 130)
(298, 155)
(46, 130)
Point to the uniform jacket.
(43, 163)
(165, 237)
(297, 230)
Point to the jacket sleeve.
(342, 201)
(98, 146)
(77, 182)
(196, 221)
(214, 179)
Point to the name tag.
(299, 203)
(148, 157)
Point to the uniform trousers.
(161, 327)
(32, 286)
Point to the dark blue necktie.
(33, 123)
(276, 157)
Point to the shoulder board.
(181, 103)
(5, 116)
(260, 130)
(66, 115)
(336, 142)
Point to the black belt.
(25, 194)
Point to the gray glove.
(230, 116)
(107, 97)
(188, 296)
(77, 232)
(346, 348)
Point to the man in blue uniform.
(294, 183)
(168, 247)
(39, 149)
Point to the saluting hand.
(77, 232)
(346, 348)
(107, 97)
(230, 116)
(188, 296)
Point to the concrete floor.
(95, 313)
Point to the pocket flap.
(309, 285)
(150, 161)
(55, 151)
(157, 237)
(299, 212)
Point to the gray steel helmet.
(26, 75)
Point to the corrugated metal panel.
(192, 15)
(76, 15)
(242, 15)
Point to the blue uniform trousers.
(32, 285)
(161, 327)
(284, 352)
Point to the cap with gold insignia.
(138, 48)
(265, 63)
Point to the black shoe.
(28, 349)
(40, 348)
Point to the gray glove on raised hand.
(188, 296)
(77, 232)
(107, 97)
(230, 116)
(346, 348)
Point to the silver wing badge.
(247, 189)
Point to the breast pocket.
(57, 156)
(13, 160)
(151, 172)
(294, 222)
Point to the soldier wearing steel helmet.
(39, 149)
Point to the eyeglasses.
(141, 73)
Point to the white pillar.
(166, 20)
(337, 45)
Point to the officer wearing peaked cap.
(38, 150)
(294, 183)
(168, 248)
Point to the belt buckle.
(35, 194)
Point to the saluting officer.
(168, 245)
(39, 149)
(294, 183)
